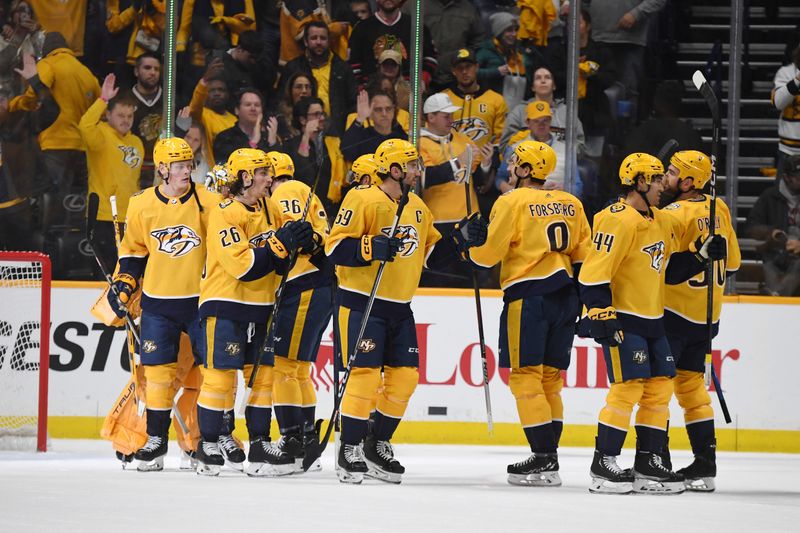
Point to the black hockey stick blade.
(669, 148)
(315, 448)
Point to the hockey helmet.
(363, 166)
(540, 157)
(639, 163)
(171, 150)
(397, 152)
(692, 164)
(282, 164)
(247, 160)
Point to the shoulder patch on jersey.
(616, 208)
(672, 207)
(225, 203)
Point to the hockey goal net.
(24, 349)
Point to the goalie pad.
(123, 426)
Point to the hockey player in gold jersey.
(636, 250)
(165, 241)
(358, 243)
(306, 308)
(247, 248)
(685, 307)
(542, 238)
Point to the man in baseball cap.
(439, 103)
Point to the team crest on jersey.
(639, 357)
(149, 346)
(130, 155)
(656, 253)
(233, 349)
(672, 207)
(260, 240)
(473, 127)
(366, 345)
(409, 237)
(177, 240)
(616, 208)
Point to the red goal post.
(25, 281)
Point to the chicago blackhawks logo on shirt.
(176, 241)
(656, 253)
(409, 237)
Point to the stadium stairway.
(768, 29)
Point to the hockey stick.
(131, 344)
(91, 218)
(669, 147)
(713, 105)
(314, 452)
(478, 310)
(270, 336)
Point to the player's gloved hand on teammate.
(604, 327)
(290, 237)
(379, 248)
(710, 247)
(316, 244)
(124, 285)
(469, 232)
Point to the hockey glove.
(316, 244)
(604, 327)
(378, 248)
(289, 237)
(469, 232)
(124, 285)
(714, 248)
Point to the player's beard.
(667, 197)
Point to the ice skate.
(292, 445)
(699, 476)
(538, 470)
(151, 455)
(209, 459)
(608, 477)
(380, 460)
(188, 460)
(124, 459)
(267, 460)
(233, 455)
(350, 465)
(650, 476)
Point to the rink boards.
(756, 356)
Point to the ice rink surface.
(80, 487)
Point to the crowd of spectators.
(81, 97)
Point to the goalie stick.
(314, 451)
(477, 291)
(702, 85)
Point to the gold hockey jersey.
(171, 234)
(689, 299)
(237, 284)
(538, 235)
(367, 210)
(482, 115)
(447, 200)
(630, 252)
(290, 198)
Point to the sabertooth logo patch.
(149, 346)
(233, 349)
(409, 238)
(260, 240)
(176, 241)
(473, 127)
(366, 345)
(639, 357)
(656, 253)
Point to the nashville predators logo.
(260, 240)
(539, 107)
(233, 349)
(409, 239)
(473, 127)
(366, 345)
(656, 253)
(130, 155)
(149, 346)
(639, 357)
(176, 241)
